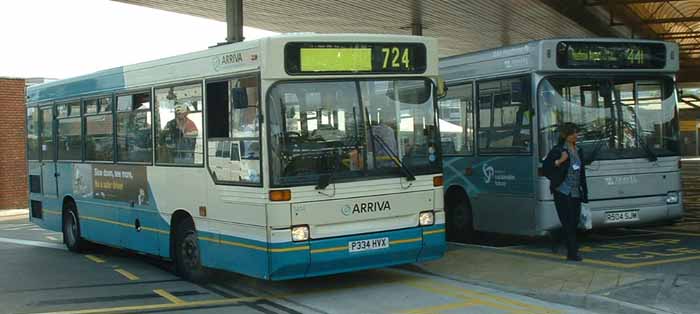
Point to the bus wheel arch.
(184, 247)
(70, 226)
(459, 215)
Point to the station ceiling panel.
(460, 25)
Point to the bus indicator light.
(437, 181)
(280, 195)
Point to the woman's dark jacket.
(557, 175)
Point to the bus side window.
(99, 143)
(505, 115)
(233, 127)
(457, 120)
(179, 125)
(134, 142)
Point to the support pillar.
(417, 29)
(234, 21)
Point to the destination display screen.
(345, 58)
(610, 55)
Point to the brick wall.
(13, 163)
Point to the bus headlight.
(672, 198)
(426, 218)
(300, 233)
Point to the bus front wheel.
(460, 226)
(188, 263)
(71, 229)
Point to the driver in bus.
(383, 132)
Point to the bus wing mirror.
(239, 98)
(441, 88)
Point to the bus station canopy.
(470, 25)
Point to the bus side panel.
(454, 169)
(500, 190)
(234, 254)
(434, 245)
(98, 222)
(44, 211)
(506, 203)
(147, 239)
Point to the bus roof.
(536, 55)
(215, 61)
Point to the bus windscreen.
(346, 58)
(610, 55)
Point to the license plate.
(621, 216)
(369, 244)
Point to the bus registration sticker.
(369, 244)
(620, 216)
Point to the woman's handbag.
(585, 222)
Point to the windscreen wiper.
(599, 144)
(645, 147)
(326, 179)
(394, 157)
(650, 154)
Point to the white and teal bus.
(501, 115)
(285, 157)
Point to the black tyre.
(71, 230)
(188, 263)
(460, 224)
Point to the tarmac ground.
(40, 276)
(640, 270)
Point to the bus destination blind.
(609, 55)
(345, 58)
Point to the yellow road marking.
(433, 231)
(606, 263)
(162, 306)
(95, 259)
(495, 301)
(671, 232)
(51, 238)
(168, 296)
(127, 274)
(440, 308)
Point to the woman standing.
(567, 181)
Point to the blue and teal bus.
(285, 157)
(501, 116)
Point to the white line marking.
(34, 243)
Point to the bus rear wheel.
(188, 262)
(460, 225)
(71, 229)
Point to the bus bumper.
(651, 209)
(330, 256)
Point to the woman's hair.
(565, 130)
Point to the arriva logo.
(368, 207)
(346, 210)
(488, 173)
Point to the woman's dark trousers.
(569, 211)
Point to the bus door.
(49, 171)
(503, 168)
